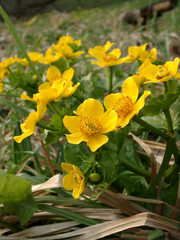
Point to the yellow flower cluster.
(59, 86)
(91, 122)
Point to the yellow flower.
(28, 127)
(67, 52)
(126, 104)
(47, 94)
(140, 79)
(74, 180)
(140, 53)
(7, 63)
(161, 73)
(65, 40)
(90, 124)
(53, 74)
(35, 57)
(107, 59)
(104, 48)
(50, 57)
(151, 56)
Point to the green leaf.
(73, 155)
(163, 101)
(16, 196)
(108, 161)
(56, 121)
(157, 121)
(157, 234)
(23, 209)
(152, 107)
(167, 99)
(13, 188)
(133, 183)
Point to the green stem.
(151, 128)
(109, 76)
(174, 169)
(67, 63)
(91, 162)
(166, 87)
(44, 126)
(18, 41)
(135, 169)
(171, 133)
(169, 121)
(56, 108)
(163, 167)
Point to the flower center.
(123, 106)
(163, 71)
(90, 126)
(109, 58)
(76, 178)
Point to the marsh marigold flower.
(105, 59)
(53, 74)
(126, 104)
(35, 57)
(74, 180)
(90, 124)
(28, 127)
(140, 53)
(161, 73)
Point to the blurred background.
(134, 22)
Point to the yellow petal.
(76, 138)
(92, 108)
(68, 74)
(53, 72)
(99, 54)
(25, 97)
(141, 101)
(44, 86)
(131, 89)
(116, 52)
(111, 99)
(72, 123)
(150, 72)
(67, 167)
(108, 46)
(96, 142)
(41, 109)
(109, 121)
(173, 66)
(70, 90)
(68, 181)
(78, 171)
(78, 190)
(122, 122)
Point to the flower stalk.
(109, 76)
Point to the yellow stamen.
(76, 178)
(90, 126)
(163, 71)
(123, 106)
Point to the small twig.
(47, 156)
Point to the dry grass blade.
(45, 229)
(111, 199)
(53, 182)
(138, 220)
